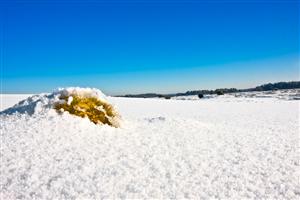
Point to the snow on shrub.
(90, 103)
(82, 102)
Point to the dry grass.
(96, 110)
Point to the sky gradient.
(136, 46)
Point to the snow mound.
(45, 103)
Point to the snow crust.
(224, 147)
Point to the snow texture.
(223, 147)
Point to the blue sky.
(136, 46)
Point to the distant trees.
(226, 90)
(203, 92)
(221, 91)
(164, 96)
(147, 95)
(196, 92)
(278, 86)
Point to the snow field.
(217, 148)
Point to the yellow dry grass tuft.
(97, 111)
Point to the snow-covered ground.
(223, 147)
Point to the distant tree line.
(147, 95)
(277, 86)
(221, 91)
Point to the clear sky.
(137, 46)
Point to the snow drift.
(88, 103)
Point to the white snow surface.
(224, 147)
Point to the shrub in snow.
(84, 104)
(200, 96)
